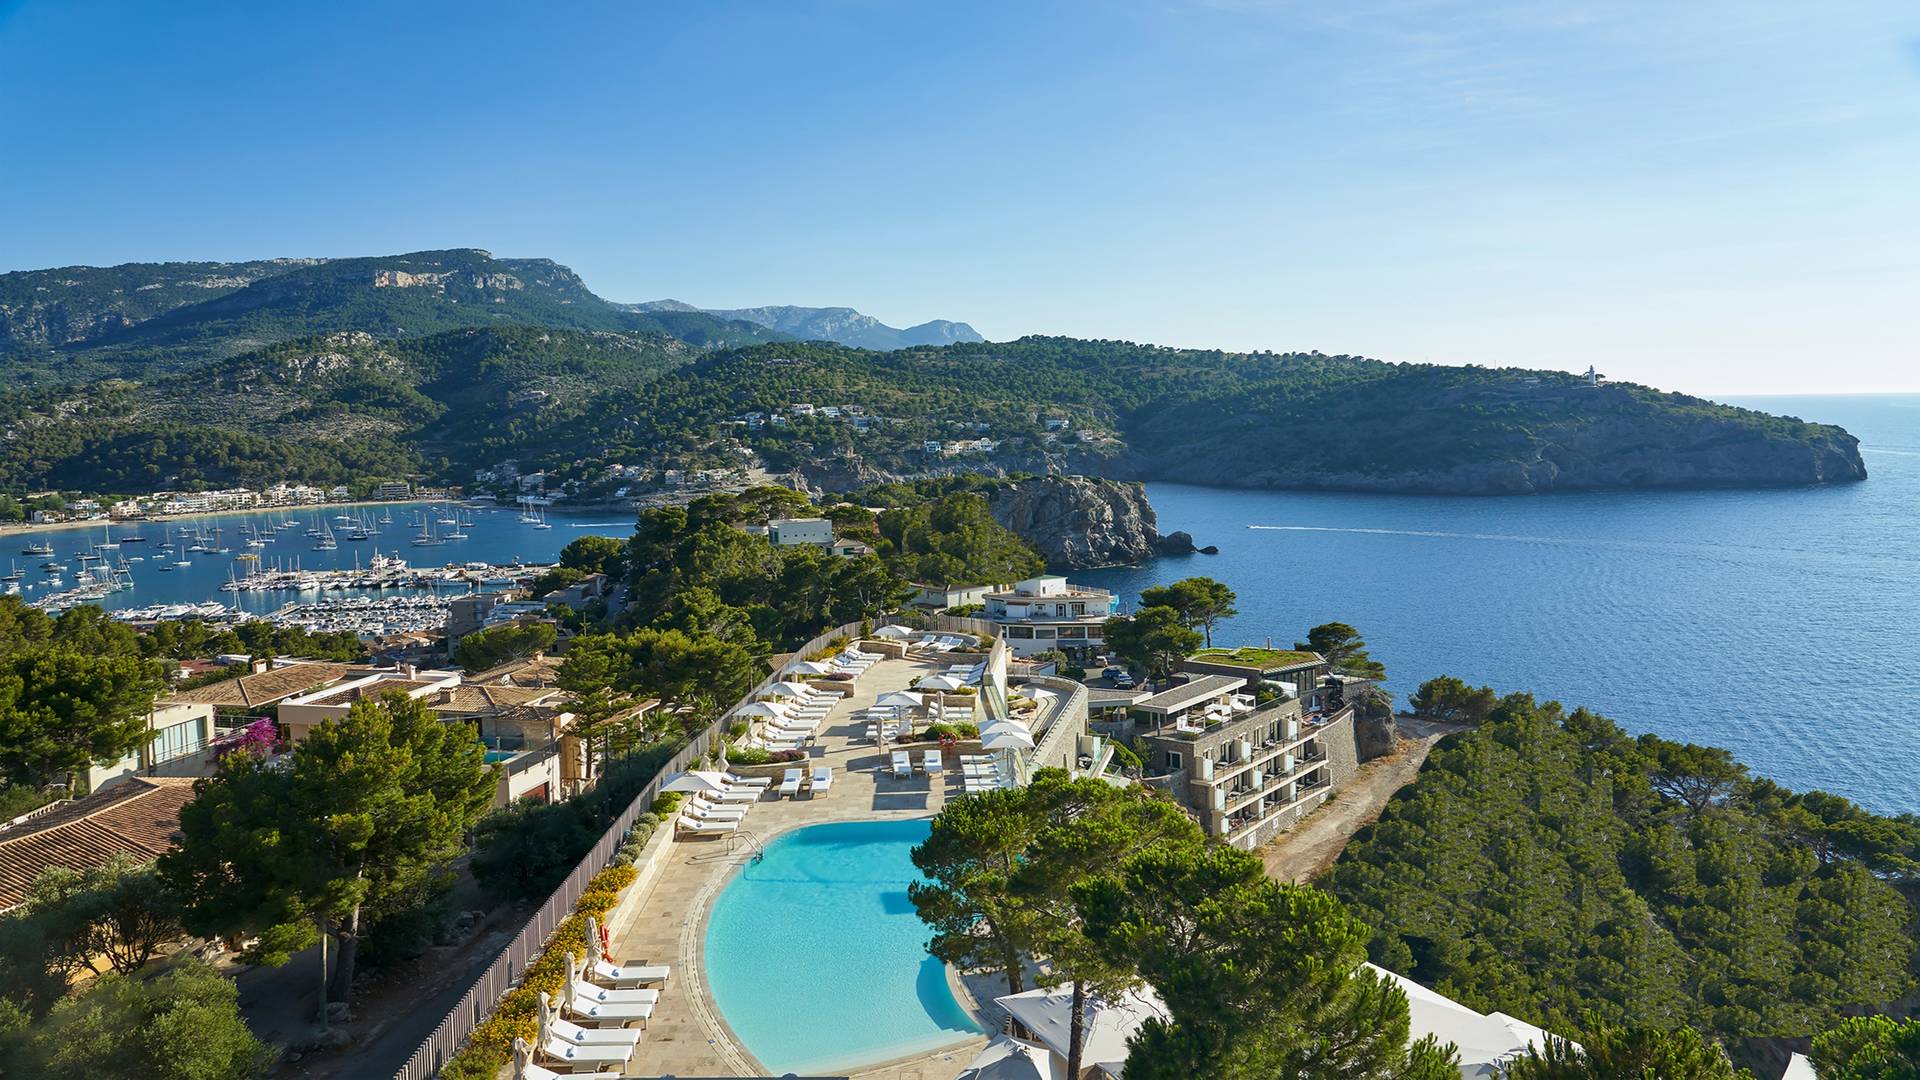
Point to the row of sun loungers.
(571, 1034)
(714, 813)
(981, 772)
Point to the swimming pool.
(817, 960)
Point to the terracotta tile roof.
(371, 691)
(265, 688)
(534, 671)
(469, 699)
(137, 816)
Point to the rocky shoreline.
(1083, 522)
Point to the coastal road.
(1305, 851)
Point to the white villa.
(1048, 612)
(1041, 1018)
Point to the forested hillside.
(333, 408)
(1547, 864)
(444, 362)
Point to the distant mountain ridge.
(140, 318)
(841, 325)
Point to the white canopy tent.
(894, 631)
(809, 667)
(939, 682)
(696, 781)
(1006, 737)
(1008, 1058)
(1048, 1013)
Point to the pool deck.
(687, 1036)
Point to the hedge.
(490, 1047)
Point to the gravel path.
(1303, 852)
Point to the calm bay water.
(497, 536)
(1783, 625)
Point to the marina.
(360, 569)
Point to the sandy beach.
(157, 519)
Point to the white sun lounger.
(582, 1007)
(790, 782)
(630, 974)
(930, 761)
(822, 780)
(902, 765)
(729, 796)
(570, 1032)
(582, 986)
(525, 1069)
(707, 828)
(704, 814)
(757, 783)
(566, 1053)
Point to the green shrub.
(964, 729)
(665, 803)
(748, 755)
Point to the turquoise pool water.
(817, 960)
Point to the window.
(1021, 632)
(1043, 632)
(1174, 761)
(177, 741)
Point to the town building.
(240, 700)
(524, 729)
(1048, 612)
(137, 817)
(1296, 672)
(941, 597)
(182, 745)
(300, 714)
(1248, 760)
(786, 532)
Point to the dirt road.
(1304, 851)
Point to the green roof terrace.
(1251, 656)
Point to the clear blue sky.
(1719, 197)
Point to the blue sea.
(1783, 625)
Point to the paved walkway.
(687, 1035)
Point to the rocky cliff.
(1078, 521)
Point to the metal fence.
(506, 969)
